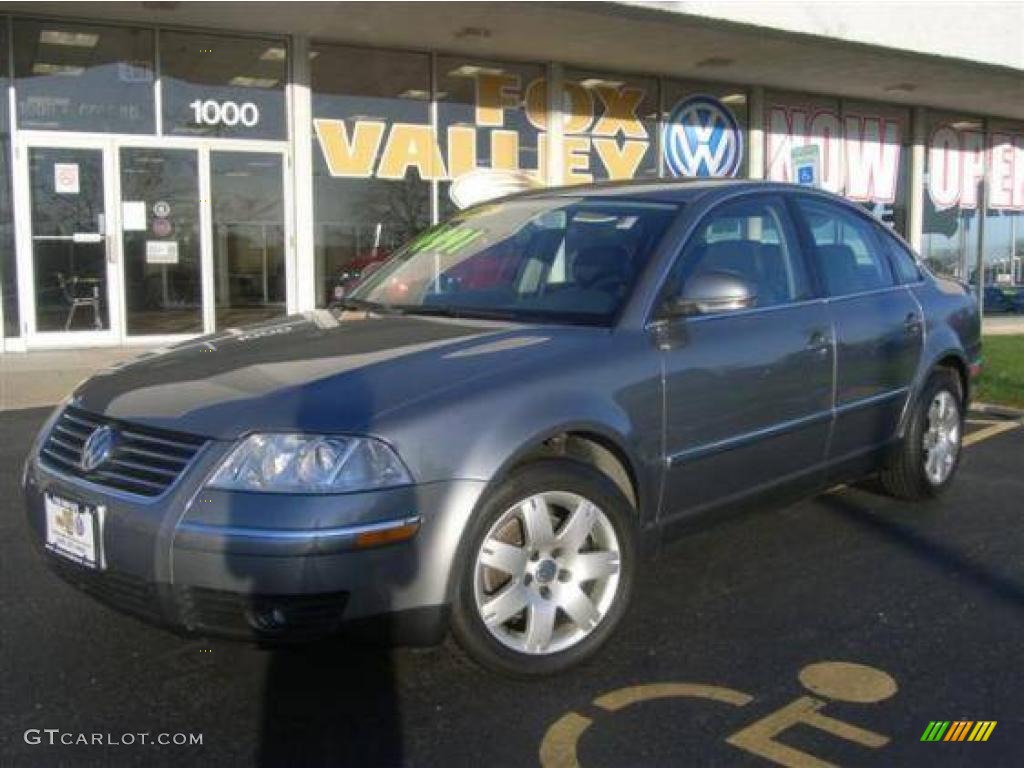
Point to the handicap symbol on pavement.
(830, 681)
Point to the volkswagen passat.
(496, 423)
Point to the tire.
(907, 475)
(544, 582)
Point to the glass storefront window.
(374, 153)
(83, 77)
(213, 85)
(248, 236)
(704, 130)
(1004, 213)
(954, 169)
(8, 263)
(610, 127)
(493, 116)
(864, 148)
(160, 221)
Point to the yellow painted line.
(989, 432)
(558, 750)
(624, 697)
(988, 731)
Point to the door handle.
(912, 323)
(819, 342)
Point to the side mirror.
(711, 293)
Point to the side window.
(753, 238)
(846, 249)
(903, 260)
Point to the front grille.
(144, 461)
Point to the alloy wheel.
(547, 572)
(941, 440)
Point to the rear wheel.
(927, 460)
(547, 570)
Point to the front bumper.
(268, 566)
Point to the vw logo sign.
(97, 448)
(702, 138)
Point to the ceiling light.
(69, 70)
(734, 98)
(900, 88)
(253, 82)
(966, 125)
(415, 93)
(471, 70)
(715, 61)
(480, 32)
(274, 53)
(74, 39)
(593, 82)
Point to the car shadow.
(331, 701)
(943, 558)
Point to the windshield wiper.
(362, 305)
(462, 312)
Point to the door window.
(752, 238)
(903, 261)
(160, 224)
(69, 239)
(248, 236)
(847, 253)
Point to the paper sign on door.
(161, 252)
(65, 178)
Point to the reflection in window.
(223, 86)
(611, 130)
(371, 186)
(77, 77)
(490, 116)
(248, 237)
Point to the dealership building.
(173, 168)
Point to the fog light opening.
(269, 619)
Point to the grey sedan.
(496, 427)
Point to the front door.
(748, 392)
(70, 259)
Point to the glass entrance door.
(71, 261)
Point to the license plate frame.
(74, 530)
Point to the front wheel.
(928, 458)
(547, 569)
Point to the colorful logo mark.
(702, 138)
(960, 730)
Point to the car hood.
(317, 372)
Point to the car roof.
(661, 190)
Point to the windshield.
(544, 259)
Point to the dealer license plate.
(74, 530)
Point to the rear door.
(749, 391)
(878, 325)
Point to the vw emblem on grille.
(97, 448)
(702, 138)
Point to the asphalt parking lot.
(740, 644)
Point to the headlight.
(310, 464)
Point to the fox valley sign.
(600, 125)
